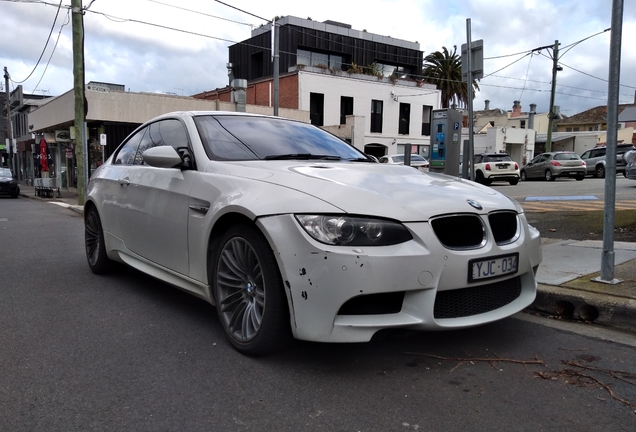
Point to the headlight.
(353, 231)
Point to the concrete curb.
(603, 309)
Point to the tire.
(513, 182)
(524, 176)
(248, 292)
(96, 256)
(600, 171)
(479, 177)
(580, 178)
(549, 176)
(487, 181)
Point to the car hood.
(391, 191)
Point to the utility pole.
(555, 66)
(78, 84)
(9, 123)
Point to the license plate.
(492, 267)
(573, 173)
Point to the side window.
(169, 132)
(126, 154)
(163, 133)
(586, 155)
(145, 144)
(544, 158)
(478, 159)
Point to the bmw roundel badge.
(474, 204)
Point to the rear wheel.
(549, 176)
(513, 182)
(248, 291)
(579, 178)
(479, 177)
(98, 261)
(600, 171)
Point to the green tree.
(444, 70)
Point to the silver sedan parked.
(290, 231)
(551, 165)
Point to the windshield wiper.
(361, 160)
(302, 156)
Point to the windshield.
(252, 138)
(5, 173)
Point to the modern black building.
(326, 44)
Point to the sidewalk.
(565, 286)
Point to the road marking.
(562, 206)
(562, 198)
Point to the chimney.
(516, 109)
(487, 102)
(531, 114)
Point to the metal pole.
(276, 64)
(607, 260)
(471, 143)
(555, 59)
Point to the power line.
(45, 45)
(245, 12)
(201, 13)
(68, 20)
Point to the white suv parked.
(491, 167)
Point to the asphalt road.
(80, 352)
(625, 188)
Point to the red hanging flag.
(44, 156)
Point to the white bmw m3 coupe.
(291, 232)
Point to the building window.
(492, 123)
(405, 118)
(426, 120)
(346, 108)
(568, 129)
(257, 68)
(316, 108)
(376, 116)
(311, 58)
(522, 124)
(575, 129)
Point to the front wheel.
(98, 260)
(248, 291)
(549, 176)
(524, 177)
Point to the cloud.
(144, 44)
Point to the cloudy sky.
(171, 46)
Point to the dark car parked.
(551, 165)
(8, 183)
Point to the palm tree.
(444, 70)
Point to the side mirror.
(162, 157)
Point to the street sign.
(476, 60)
(102, 139)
